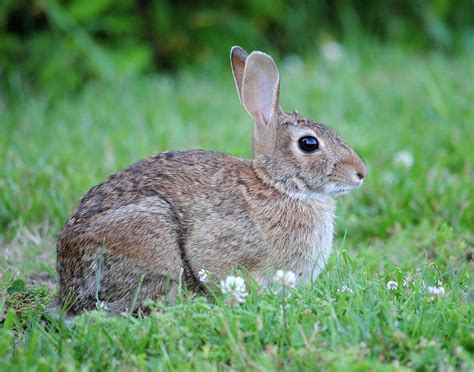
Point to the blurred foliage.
(66, 42)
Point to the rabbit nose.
(361, 171)
(358, 166)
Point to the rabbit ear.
(261, 87)
(237, 60)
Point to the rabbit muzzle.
(346, 176)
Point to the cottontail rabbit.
(162, 219)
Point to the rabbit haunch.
(164, 218)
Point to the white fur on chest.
(319, 241)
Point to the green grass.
(413, 222)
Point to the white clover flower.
(235, 290)
(345, 289)
(332, 51)
(204, 275)
(392, 285)
(284, 280)
(404, 159)
(436, 291)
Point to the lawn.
(408, 114)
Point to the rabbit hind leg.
(126, 256)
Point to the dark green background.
(62, 43)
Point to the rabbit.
(151, 227)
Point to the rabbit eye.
(308, 144)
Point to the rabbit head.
(296, 155)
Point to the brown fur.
(166, 217)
